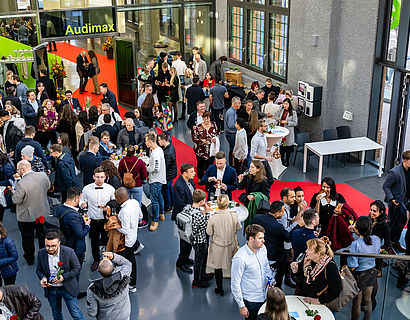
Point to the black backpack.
(53, 224)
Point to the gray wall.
(342, 62)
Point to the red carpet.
(358, 201)
(107, 73)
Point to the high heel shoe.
(221, 292)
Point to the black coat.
(11, 137)
(194, 94)
(88, 162)
(250, 185)
(49, 86)
(14, 100)
(110, 96)
(182, 196)
(113, 131)
(75, 102)
(22, 302)
(65, 177)
(170, 162)
(38, 151)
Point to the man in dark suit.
(397, 190)
(109, 96)
(48, 84)
(183, 189)
(57, 285)
(73, 102)
(195, 118)
(194, 94)
(82, 64)
(89, 161)
(107, 126)
(216, 67)
(220, 178)
(74, 226)
(29, 108)
(28, 140)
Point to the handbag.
(348, 292)
(236, 245)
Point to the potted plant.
(58, 73)
(108, 47)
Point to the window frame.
(268, 10)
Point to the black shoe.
(290, 283)
(221, 292)
(200, 284)
(85, 91)
(190, 262)
(81, 92)
(81, 295)
(210, 276)
(185, 268)
(94, 266)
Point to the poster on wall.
(23, 4)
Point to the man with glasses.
(259, 147)
(30, 197)
(58, 269)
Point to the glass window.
(278, 38)
(257, 1)
(67, 4)
(408, 54)
(237, 33)
(256, 38)
(394, 30)
(280, 3)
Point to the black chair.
(343, 132)
(329, 134)
(300, 139)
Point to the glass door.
(404, 142)
(126, 72)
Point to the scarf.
(311, 274)
(105, 147)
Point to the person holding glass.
(47, 123)
(287, 118)
(222, 227)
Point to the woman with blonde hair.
(276, 306)
(94, 70)
(174, 92)
(319, 278)
(222, 227)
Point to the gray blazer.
(292, 122)
(395, 184)
(202, 69)
(31, 196)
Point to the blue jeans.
(156, 200)
(168, 194)
(230, 137)
(54, 298)
(253, 308)
(136, 193)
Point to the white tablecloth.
(241, 210)
(297, 309)
(275, 138)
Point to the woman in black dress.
(162, 82)
(325, 202)
(254, 181)
(174, 92)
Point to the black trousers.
(50, 46)
(203, 164)
(128, 253)
(285, 152)
(230, 137)
(397, 220)
(96, 233)
(184, 252)
(217, 117)
(2, 213)
(83, 80)
(201, 256)
(27, 238)
(219, 278)
(253, 308)
(240, 166)
(269, 175)
(8, 281)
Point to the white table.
(275, 138)
(324, 148)
(297, 309)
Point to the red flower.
(60, 264)
(14, 317)
(40, 219)
(317, 317)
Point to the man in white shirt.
(157, 177)
(250, 273)
(106, 109)
(129, 216)
(179, 65)
(95, 196)
(240, 150)
(147, 91)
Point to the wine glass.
(351, 220)
(319, 228)
(300, 257)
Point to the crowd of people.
(46, 148)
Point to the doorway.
(126, 72)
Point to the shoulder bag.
(348, 292)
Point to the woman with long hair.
(93, 115)
(209, 81)
(319, 279)
(47, 121)
(254, 181)
(111, 172)
(252, 93)
(81, 126)
(8, 258)
(6, 175)
(68, 120)
(325, 202)
(276, 306)
(9, 80)
(64, 140)
(222, 227)
(42, 94)
(287, 118)
(174, 92)
(203, 136)
(147, 110)
(364, 268)
(131, 163)
(95, 70)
